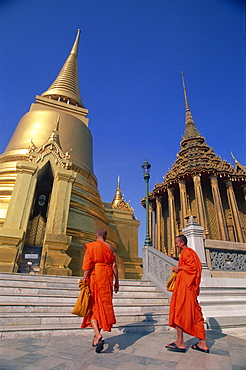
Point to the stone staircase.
(41, 305)
(223, 307)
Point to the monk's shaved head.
(102, 232)
(182, 238)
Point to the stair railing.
(157, 268)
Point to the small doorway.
(31, 254)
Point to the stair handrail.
(157, 268)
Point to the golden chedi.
(50, 203)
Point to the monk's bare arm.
(116, 281)
(86, 274)
(176, 269)
(114, 268)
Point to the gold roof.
(66, 88)
(195, 156)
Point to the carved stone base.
(55, 261)
(133, 270)
(9, 249)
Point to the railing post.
(145, 262)
(194, 233)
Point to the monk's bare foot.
(97, 339)
(176, 345)
(203, 345)
(200, 347)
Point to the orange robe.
(185, 311)
(99, 258)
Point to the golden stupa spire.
(118, 195)
(190, 127)
(54, 137)
(119, 201)
(66, 88)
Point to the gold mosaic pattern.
(35, 231)
(212, 222)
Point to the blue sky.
(131, 54)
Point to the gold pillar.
(183, 202)
(158, 222)
(151, 222)
(234, 211)
(200, 204)
(218, 208)
(171, 208)
(13, 231)
(55, 261)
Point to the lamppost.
(146, 175)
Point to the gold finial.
(55, 136)
(65, 88)
(119, 201)
(187, 108)
(118, 195)
(118, 186)
(76, 44)
(190, 128)
(58, 122)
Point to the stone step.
(221, 300)
(67, 329)
(18, 319)
(71, 286)
(40, 305)
(62, 279)
(225, 290)
(71, 300)
(23, 291)
(67, 308)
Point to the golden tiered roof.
(65, 88)
(195, 156)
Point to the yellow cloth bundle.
(83, 305)
(171, 281)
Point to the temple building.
(200, 184)
(49, 199)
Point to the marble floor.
(122, 351)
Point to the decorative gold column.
(234, 211)
(13, 231)
(151, 222)
(171, 208)
(200, 204)
(158, 222)
(218, 208)
(55, 261)
(183, 202)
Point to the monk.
(99, 266)
(185, 312)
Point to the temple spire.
(190, 127)
(66, 87)
(118, 195)
(119, 201)
(55, 136)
